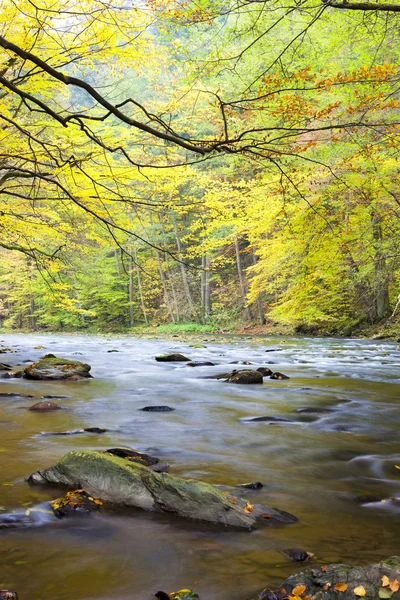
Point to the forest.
(204, 164)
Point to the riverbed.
(330, 465)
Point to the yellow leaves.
(232, 500)
(385, 581)
(359, 591)
(341, 587)
(249, 507)
(393, 585)
(297, 592)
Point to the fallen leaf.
(298, 590)
(397, 466)
(341, 587)
(266, 516)
(394, 585)
(326, 587)
(359, 591)
(249, 508)
(324, 568)
(294, 598)
(385, 581)
(232, 500)
(385, 593)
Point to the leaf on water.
(298, 590)
(385, 593)
(341, 587)
(394, 585)
(385, 581)
(359, 591)
(7, 484)
(249, 507)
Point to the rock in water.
(245, 376)
(74, 503)
(200, 363)
(265, 372)
(320, 583)
(116, 480)
(157, 409)
(257, 485)
(7, 595)
(44, 407)
(5, 367)
(57, 368)
(172, 358)
(279, 376)
(296, 554)
(154, 463)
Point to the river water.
(314, 466)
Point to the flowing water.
(314, 466)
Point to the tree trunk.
(241, 280)
(381, 296)
(131, 312)
(140, 289)
(207, 288)
(185, 281)
(260, 309)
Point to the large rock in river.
(341, 581)
(116, 480)
(57, 368)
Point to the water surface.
(313, 467)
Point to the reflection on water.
(343, 446)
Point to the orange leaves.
(324, 568)
(393, 585)
(341, 587)
(298, 590)
(249, 508)
(359, 591)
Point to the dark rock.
(49, 356)
(240, 362)
(73, 503)
(5, 367)
(18, 374)
(278, 375)
(112, 351)
(162, 596)
(172, 358)
(7, 595)
(122, 482)
(57, 368)
(368, 498)
(296, 554)
(273, 350)
(245, 377)
(55, 397)
(6, 376)
(313, 410)
(157, 409)
(95, 430)
(268, 419)
(5, 350)
(199, 363)
(154, 463)
(320, 583)
(14, 520)
(265, 372)
(257, 485)
(44, 407)
(14, 395)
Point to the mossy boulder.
(320, 582)
(57, 368)
(116, 480)
(172, 358)
(245, 376)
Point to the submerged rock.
(245, 377)
(76, 431)
(267, 419)
(200, 363)
(119, 481)
(154, 463)
(278, 375)
(257, 485)
(296, 554)
(57, 368)
(44, 407)
(49, 356)
(350, 582)
(157, 409)
(172, 358)
(7, 595)
(5, 367)
(14, 395)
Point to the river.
(313, 466)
